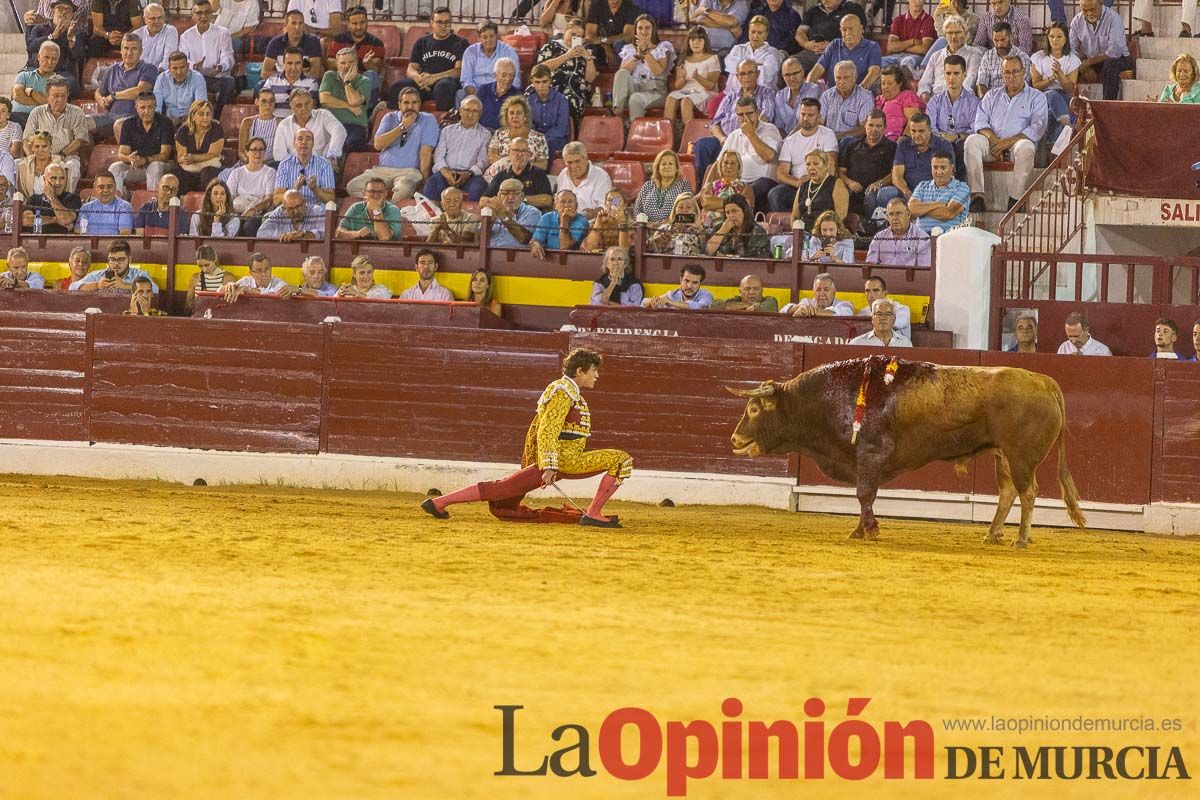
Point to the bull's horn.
(766, 390)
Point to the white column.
(963, 288)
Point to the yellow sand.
(159, 641)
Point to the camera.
(686, 219)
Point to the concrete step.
(1140, 89)
(1154, 69)
(1166, 47)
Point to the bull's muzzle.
(745, 447)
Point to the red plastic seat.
(102, 157)
(89, 69)
(527, 47)
(411, 36)
(696, 129)
(689, 173)
(602, 136)
(232, 116)
(628, 176)
(647, 138)
(470, 34)
(392, 38)
(192, 201)
(140, 197)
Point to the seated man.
(329, 137)
(876, 289)
(1004, 11)
(823, 303)
(305, 172)
(154, 217)
(755, 48)
(367, 47)
(853, 46)
(914, 159)
(551, 113)
(910, 38)
(110, 21)
(883, 333)
(453, 225)
(345, 92)
(903, 243)
(952, 112)
(790, 171)
(689, 295)
(178, 87)
(795, 89)
(314, 281)
(1079, 338)
(560, 229)
(480, 58)
(58, 207)
(461, 154)
(865, 164)
(241, 18)
(288, 80)
(756, 142)
(294, 36)
(492, 95)
(427, 288)
(990, 66)
(933, 79)
(535, 184)
(121, 85)
(29, 89)
(846, 105)
(750, 297)
(1009, 120)
(1098, 38)
(436, 63)
(66, 124)
(322, 18)
(405, 140)
(66, 30)
(105, 214)
(1025, 334)
(725, 120)
(147, 142)
(1166, 333)
(209, 50)
(588, 182)
(18, 276)
(294, 220)
(374, 217)
(141, 299)
(942, 201)
(159, 39)
(514, 219)
(259, 281)
(118, 276)
(609, 26)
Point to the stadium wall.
(411, 408)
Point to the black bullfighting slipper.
(592, 522)
(429, 508)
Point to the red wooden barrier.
(43, 371)
(269, 308)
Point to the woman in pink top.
(897, 101)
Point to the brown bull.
(926, 413)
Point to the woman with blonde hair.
(516, 122)
(31, 168)
(821, 191)
(1183, 87)
(657, 195)
(362, 281)
(198, 144)
(724, 179)
(682, 233)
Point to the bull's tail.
(1066, 483)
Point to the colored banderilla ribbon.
(860, 404)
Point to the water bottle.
(597, 98)
(37, 222)
(83, 224)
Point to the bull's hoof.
(856, 534)
(1020, 544)
(993, 538)
(870, 534)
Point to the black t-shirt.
(826, 26)
(866, 164)
(310, 45)
(608, 23)
(39, 202)
(438, 55)
(147, 143)
(533, 181)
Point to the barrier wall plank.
(44, 358)
(1177, 433)
(207, 384)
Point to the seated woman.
(31, 168)
(198, 145)
(739, 235)
(822, 191)
(362, 281)
(10, 132)
(209, 278)
(897, 102)
(262, 125)
(695, 80)
(516, 121)
(617, 286)
(641, 81)
(79, 261)
(252, 185)
(1054, 71)
(572, 67)
(482, 292)
(216, 216)
(612, 224)
(829, 242)
(555, 14)
(1183, 87)
(682, 233)
(724, 179)
(657, 196)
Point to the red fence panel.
(1176, 432)
(43, 366)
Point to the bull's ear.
(764, 390)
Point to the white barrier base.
(369, 473)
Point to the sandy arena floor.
(159, 641)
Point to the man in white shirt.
(210, 52)
(933, 79)
(755, 49)
(259, 281)
(159, 39)
(585, 179)
(241, 19)
(321, 17)
(427, 288)
(757, 143)
(1079, 338)
(790, 172)
(823, 303)
(328, 133)
(876, 289)
(883, 332)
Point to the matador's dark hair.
(580, 359)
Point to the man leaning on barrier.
(750, 297)
(18, 276)
(118, 276)
(374, 217)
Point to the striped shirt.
(843, 113)
(289, 171)
(955, 191)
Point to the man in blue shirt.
(1011, 119)
(943, 200)
(178, 87)
(315, 284)
(18, 275)
(121, 85)
(851, 47)
(914, 157)
(405, 140)
(118, 276)
(550, 110)
(515, 220)
(689, 295)
(492, 95)
(560, 229)
(306, 172)
(105, 214)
